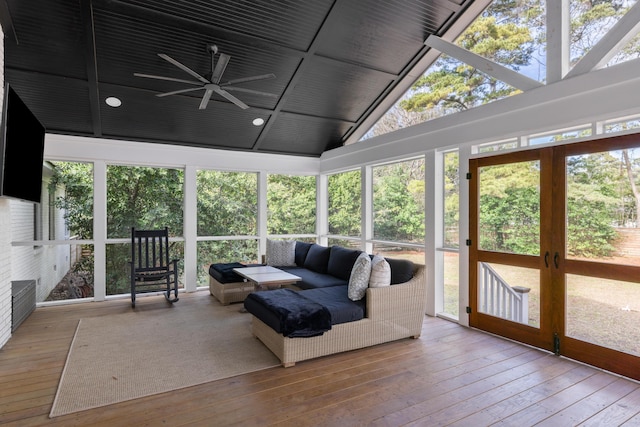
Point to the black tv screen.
(21, 150)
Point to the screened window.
(345, 204)
(399, 202)
(291, 204)
(144, 198)
(227, 203)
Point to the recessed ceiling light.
(258, 121)
(112, 101)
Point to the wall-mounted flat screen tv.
(21, 150)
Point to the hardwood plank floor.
(451, 376)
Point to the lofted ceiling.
(334, 62)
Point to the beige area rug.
(155, 349)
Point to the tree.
(629, 169)
(451, 199)
(345, 206)
(77, 203)
(398, 202)
(227, 203)
(500, 35)
(510, 208)
(145, 198)
(291, 204)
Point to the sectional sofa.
(385, 313)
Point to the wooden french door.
(552, 256)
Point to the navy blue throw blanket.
(298, 315)
(223, 272)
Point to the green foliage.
(291, 204)
(500, 35)
(76, 179)
(227, 203)
(218, 251)
(144, 198)
(345, 210)
(510, 208)
(593, 183)
(451, 199)
(398, 202)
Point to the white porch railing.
(499, 299)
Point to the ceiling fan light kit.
(211, 82)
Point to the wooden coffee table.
(267, 277)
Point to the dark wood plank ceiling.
(334, 61)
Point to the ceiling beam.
(558, 39)
(619, 35)
(493, 69)
(86, 12)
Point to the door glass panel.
(604, 312)
(509, 212)
(509, 292)
(603, 199)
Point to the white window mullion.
(262, 213)
(366, 226)
(190, 221)
(322, 208)
(433, 216)
(463, 268)
(99, 230)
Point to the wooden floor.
(451, 376)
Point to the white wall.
(5, 271)
(5, 242)
(46, 264)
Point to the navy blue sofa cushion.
(223, 272)
(341, 261)
(401, 270)
(302, 249)
(312, 279)
(317, 258)
(336, 300)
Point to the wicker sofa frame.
(393, 312)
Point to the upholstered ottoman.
(289, 312)
(226, 285)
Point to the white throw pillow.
(359, 279)
(281, 253)
(380, 272)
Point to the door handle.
(546, 259)
(555, 259)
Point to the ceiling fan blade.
(255, 92)
(183, 67)
(231, 98)
(170, 79)
(249, 79)
(216, 75)
(175, 92)
(205, 99)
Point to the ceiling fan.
(210, 82)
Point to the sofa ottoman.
(226, 285)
